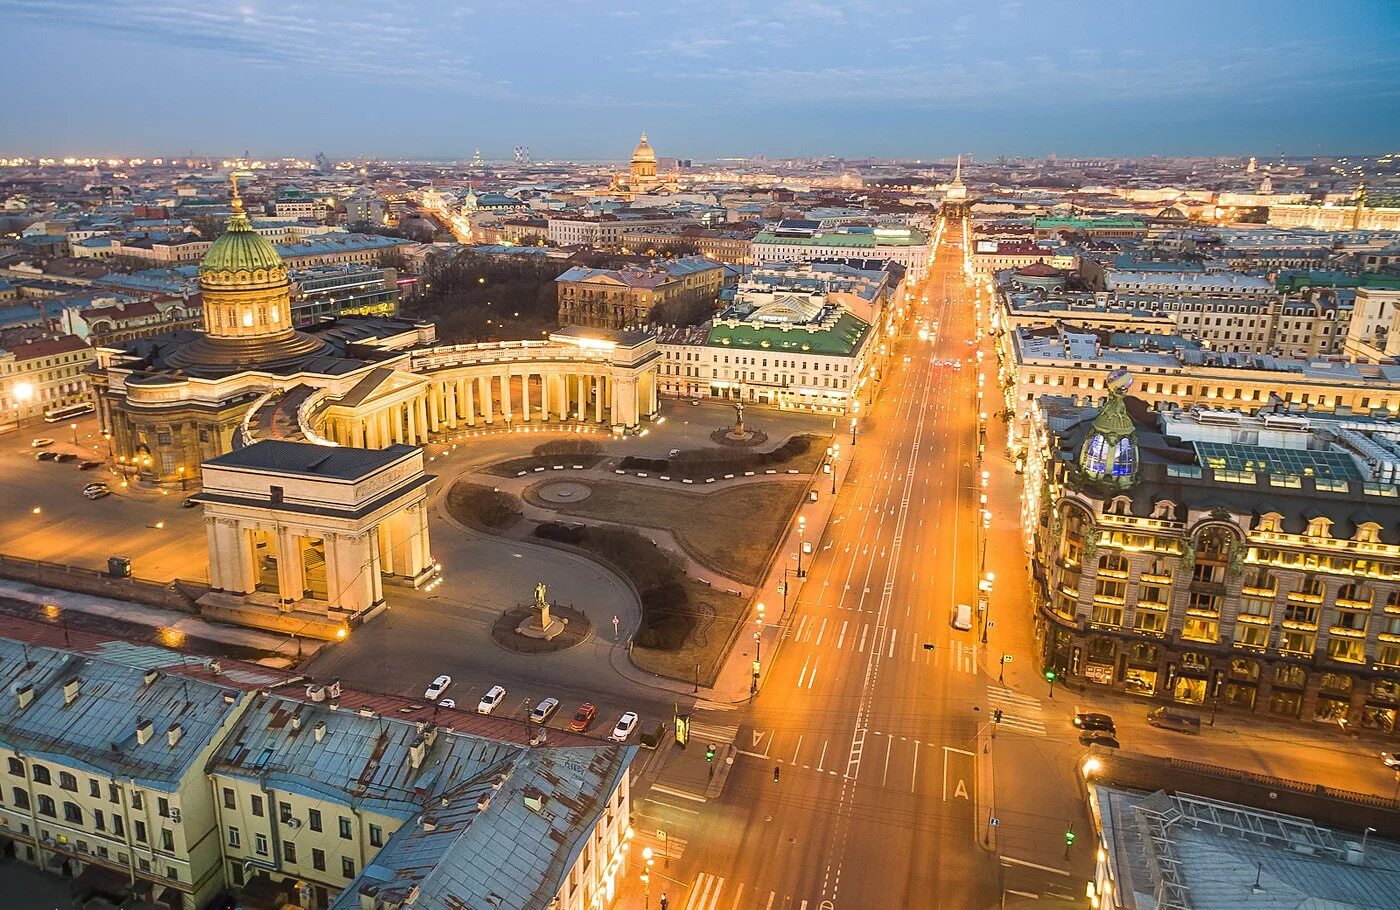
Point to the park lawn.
(717, 616)
(731, 531)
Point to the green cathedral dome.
(240, 249)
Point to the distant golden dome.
(643, 152)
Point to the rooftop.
(310, 460)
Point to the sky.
(579, 79)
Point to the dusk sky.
(577, 79)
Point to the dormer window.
(1119, 505)
(1319, 527)
(1164, 509)
(1269, 523)
(1368, 532)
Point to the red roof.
(48, 347)
(1039, 270)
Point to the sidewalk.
(185, 624)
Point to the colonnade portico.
(303, 536)
(500, 383)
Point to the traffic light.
(710, 752)
(1050, 676)
(775, 773)
(1069, 838)
(996, 716)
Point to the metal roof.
(310, 460)
(1276, 460)
(97, 730)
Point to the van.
(1174, 719)
(962, 618)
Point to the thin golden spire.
(237, 199)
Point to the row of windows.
(313, 816)
(289, 852)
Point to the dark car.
(46, 456)
(1098, 738)
(89, 465)
(190, 503)
(65, 456)
(1090, 721)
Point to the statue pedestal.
(541, 625)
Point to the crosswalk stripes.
(718, 733)
(1022, 713)
(966, 657)
(712, 892)
(668, 846)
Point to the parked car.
(544, 710)
(1390, 760)
(65, 456)
(98, 493)
(438, 687)
(88, 465)
(491, 699)
(625, 725)
(41, 442)
(46, 456)
(189, 504)
(1098, 738)
(583, 717)
(1087, 720)
(447, 703)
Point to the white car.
(544, 710)
(491, 699)
(41, 442)
(1390, 760)
(447, 703)
(625, 725)
(438, 687)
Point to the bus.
(68, 412)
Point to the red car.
(583, 718)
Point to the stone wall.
(176, 595)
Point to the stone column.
(396, 422)
(410, 409)
(291, 570)
(597, 399)
(525, 396)
(352, 586)
(486, 398)
(624, 400)
(506, 408)
(421, 424)
(580, 397)
(386, 546)
(450, 390)
(241, 576)
(359, 437)
(469, 401)
(216, 554)
(435, 396)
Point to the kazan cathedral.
(171, 402)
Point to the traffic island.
(574, 630)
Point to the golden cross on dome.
(237, 199)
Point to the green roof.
(1296, 281)
(841, 239)
(1277, 460)
(841, 339)
(1088, 223)
(240, 249)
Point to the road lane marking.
(889, 747)
(692, 902)
(914, 777)
(1035, 897)
(719, 886)
(674, 807)
(803, 675)
(840, 639)
(821, 631)
(813, 678)
(1027, 863)
(798, 749)
(821, 761)
(660, 788)
(797, 636)
(772, 895)
(894, 633)
(864, 628)
(738, 897)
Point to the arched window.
(45, 806)
(1113, 564)
(72, 813)
(67, 781)
(1355, 592)
(1096, 457)
(1125, 461)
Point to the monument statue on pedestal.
(540, 624)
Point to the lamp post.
(74, 428)
(647, 854)
(853, 431)
(184, 479)
(835, 454)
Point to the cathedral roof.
(643, 151)
(240, 249)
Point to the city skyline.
(904, 80)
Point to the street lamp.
(647, 854)
(183, 479)
(835, 454)
(74, 428)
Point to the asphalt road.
(870, 715)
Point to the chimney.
(416, 751)
(70, 690)
(482, 803)
(25, 694)
(296, 721)
(173, 735)
(143, 732)
(149, 677)
(319, 730)
(429, 824)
